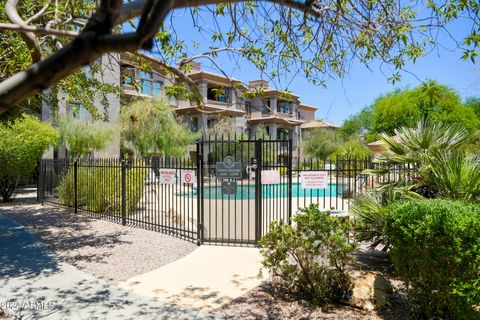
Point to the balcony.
(274, 117)
(224, 108)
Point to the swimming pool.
(247, 191)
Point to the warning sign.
(270, 176)
(168, 176)
(314, 179)
(188, 176)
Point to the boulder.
(368, 290)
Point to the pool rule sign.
(229, 169)
(314, 179)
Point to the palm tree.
(420, 146)
(457, 176)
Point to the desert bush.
(351, 150)
(370, 212)
(321, 142)
(153, 128)
(99, 188)
(435, 248)
(457, 176)
(310, 257)
(22, 143)
(83, 136)
(420, 146)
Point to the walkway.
(205, 279)
(34, 284)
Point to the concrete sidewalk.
(205, 279)
(34, 284)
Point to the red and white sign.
(188, 176)
(270, 176)
(168, 176)
(314, 179)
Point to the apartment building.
(281, 113)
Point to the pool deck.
(226, 219)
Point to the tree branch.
(39, 13)
(134, 9)
(46, 31)
(92, 43)
(29, 37)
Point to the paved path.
(35, 285)
(205, 279)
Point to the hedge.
(435, 248)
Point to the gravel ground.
(104, 249)
(264, 303)
(112, 252)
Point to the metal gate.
(243, 186)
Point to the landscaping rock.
(369, 290)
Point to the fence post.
(258, 189)
(199, 192)
(337, 174)
(75, 184)
(290, 174)
(124, 193)
(39, 180)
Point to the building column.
(110, 75)
(203, 89)
(273, 104)
(202, 123)
(273, 131)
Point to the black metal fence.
(126, 192)
(227, 192)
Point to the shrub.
(83, 135)
(309, 258)
(370, 212)
(99, 188)
(152, 127)
(436, 251)
(321, 142)
(22, 143)
(351, 150)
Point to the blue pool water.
(247, 191)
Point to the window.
(149, 86)
(284, 107)
(127, 79)
(219, 94)
(266, 102)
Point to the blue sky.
(362, 85)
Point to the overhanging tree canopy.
(319, 38)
